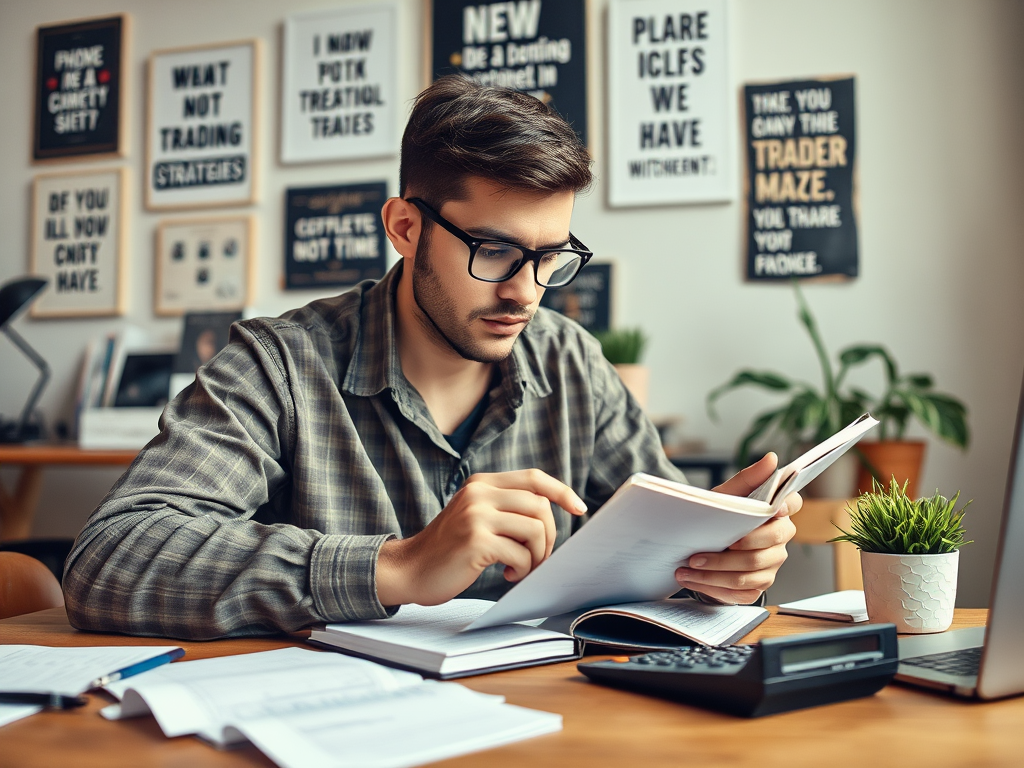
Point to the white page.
(849, 602)
(12, 712)
(710, 624)
(418, 725)
(628, 552)
(438, 629)
(206, 696)
(68, 671)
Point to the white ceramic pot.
(914, 592)
(636, 378)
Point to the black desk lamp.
(15, 296)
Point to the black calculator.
(777, 674)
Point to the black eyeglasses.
(495, 261)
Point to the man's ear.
(402, 224)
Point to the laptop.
(983, 662)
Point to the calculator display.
(799, 657)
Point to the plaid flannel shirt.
(301, 448)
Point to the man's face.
(481, 321)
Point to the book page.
(847, 605)
(439, 629)
(68, 671)
(203, 697)
(707, 624)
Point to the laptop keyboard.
(963, 662)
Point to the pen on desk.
(48, 700)
(135, 669)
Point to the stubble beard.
(439, 316)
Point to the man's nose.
(522, 287)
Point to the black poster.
(536, 46)
(587, 299)
(78, 88)
(334, 235)
(801, 156)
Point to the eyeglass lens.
(498, 261)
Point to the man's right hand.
(502, 517)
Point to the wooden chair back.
(26, 586)
(816, 523)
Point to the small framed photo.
(79, 90)
(203, 265)
(201, 127)
(78, 243)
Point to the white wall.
(939, 105)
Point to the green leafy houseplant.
(886, 521)
(813, 413)
(622, 347)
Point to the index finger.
(540, 483)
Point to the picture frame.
(80, 86)
(589, 299)
(202, 126)
(324, 54)
(79, 236)
(203, 265)
(555, 69)
(670, 105)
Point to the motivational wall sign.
(339, 84)
(800, 168)
(79, 79)
(78, 243)
(670, 134)
(334, 235)
(536, 46)
(200, 136)
(587, 299)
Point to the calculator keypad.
(699, 658)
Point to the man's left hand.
(746, 569)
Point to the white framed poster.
(201, 126)
(203, 265)
(671, 132)
(339, 86)
(78, 243)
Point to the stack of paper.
(303, 708)
(847, 605)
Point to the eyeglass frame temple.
(529, 255)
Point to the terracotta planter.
(914, 592)
(901, 459)
(636, 378)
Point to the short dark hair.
(459, 129)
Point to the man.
(427, 436)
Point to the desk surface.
(603, 727)
(63, 453)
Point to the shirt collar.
(376, 366)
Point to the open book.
(629, 550)
(302, 708)
(435, 641)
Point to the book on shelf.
(434, 640)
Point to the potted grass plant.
(624, 348)
(909, 555)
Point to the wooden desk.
(603, 727)
(18, 509)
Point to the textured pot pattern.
(914, 592)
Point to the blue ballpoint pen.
(135, 669)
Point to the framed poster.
(79, 87)
(339, 84)
(540, 48)
(334, 235)
(203, 265)
(201, 126)
(801, 179)
(78, 243)
(670, 105)
(587, 299)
